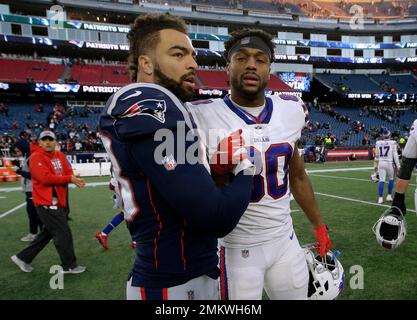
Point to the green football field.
(347, 199)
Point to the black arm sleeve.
(407, 167)
(190, 189)
(24, 174)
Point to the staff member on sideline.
(22, 149)
(51, 174)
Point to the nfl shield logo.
(190, 295)
(169, 163)
(259, 130)
(245, 253)
(245, 40)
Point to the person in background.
(51, 173)
(22, 149)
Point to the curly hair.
(237, 35)
(144, 36)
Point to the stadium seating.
(99, 74)
(382, 9)
(214, 79)
(20, 112)
(354, 82)
(413, 10)
(401, 83)
(21, 70)
(355, 139)
(370, 83)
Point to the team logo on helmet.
(326, 274)
(149, 107)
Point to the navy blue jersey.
(175, 211)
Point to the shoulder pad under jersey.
(142, 108)
(297, 100)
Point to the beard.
(175, 87)
(250, 95)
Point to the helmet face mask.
(391, 228)
(326, 275)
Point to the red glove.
(323, 240)
(230, 151)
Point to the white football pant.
(280, 267)
(385, 168)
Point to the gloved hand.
(230, 152)
(399, 202)
(323, 240)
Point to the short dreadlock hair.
(237, 35)
(144, 36)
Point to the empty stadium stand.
(100, 74)
(21, 70)
(400, 83)
(214, 79)
(354, 82)
(370, 83)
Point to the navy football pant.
(35, 223)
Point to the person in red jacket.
(51, 173)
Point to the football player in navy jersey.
(174, 209)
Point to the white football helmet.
(326, 275)
(391, 228)
(375, 177)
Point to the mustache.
(190, 74)
(252, 74)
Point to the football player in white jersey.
(408, 163)
(102, 235)
(262, 252)
(387, 157)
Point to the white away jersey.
(386, 151)
(114, 187)
(270, 139)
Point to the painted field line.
(12, 210)
(356, 200)
(90, 184)
(347, 178)
(340, 170)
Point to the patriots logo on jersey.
(149, 107)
